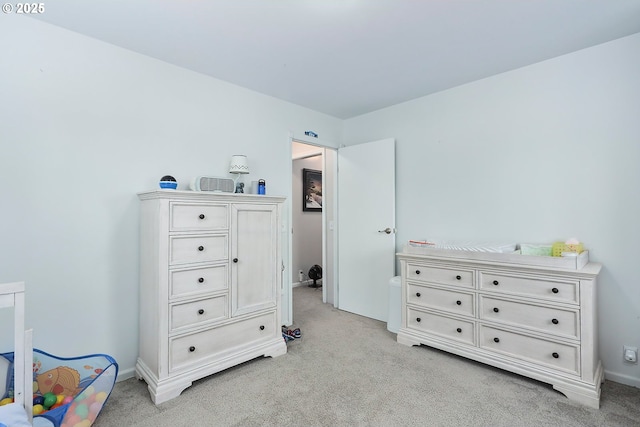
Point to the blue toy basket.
(82, 385)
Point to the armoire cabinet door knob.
(235, 260)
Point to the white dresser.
(535, 316)
(210, 273)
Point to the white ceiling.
(349, 57)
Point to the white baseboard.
(622, 379)
(305, 283)
(125, 374)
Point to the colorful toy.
(70, 392)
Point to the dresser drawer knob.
(459, 330)
(418, 294)
(496, 339)
(458, 277)
(495, 282)
(459, 302)
(555, 321)
(417, 271)
(201, 216)
(555, 290)
(235, 260)
(555, 355)
(201, 280)
(201, 248)
(496, 309)
(201, 311)
(192, 349)
(418, 319)
(262, 327)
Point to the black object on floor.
(315, 273)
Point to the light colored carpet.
(348, 370)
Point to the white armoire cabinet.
(210, 274)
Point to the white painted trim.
(313, 141)
(305, 283)
(622, 379)
(287, 309)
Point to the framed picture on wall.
(311, 190)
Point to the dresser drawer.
(190, 350)
(198, 280)
(441, 299)
(556, 290)
(545, 319)
(444, 326)
(444, 276)
(559, 356)
(194, 249)
(198, 217)
(198, 312)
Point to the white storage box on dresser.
(532, 315)
(210, 273)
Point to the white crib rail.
(12, 295)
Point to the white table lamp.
(238, 166)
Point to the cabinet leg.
(406, 339)
(590, 398)
(164, 394)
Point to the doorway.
(307, 200)
(376, 157)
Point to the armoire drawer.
(191, 349)
(198, 312)
(443, 276)
(444, 326)
(560, 356)
(198, 217)
(198, 280)
(550, 320)
(195, 249)
(441, 299)
(556, 290)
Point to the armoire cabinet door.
(253, 257)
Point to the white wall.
(84, 126)
(307, 226)
(538, 154)
(541, 153)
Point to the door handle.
(387, 230)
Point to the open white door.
(366, 227)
